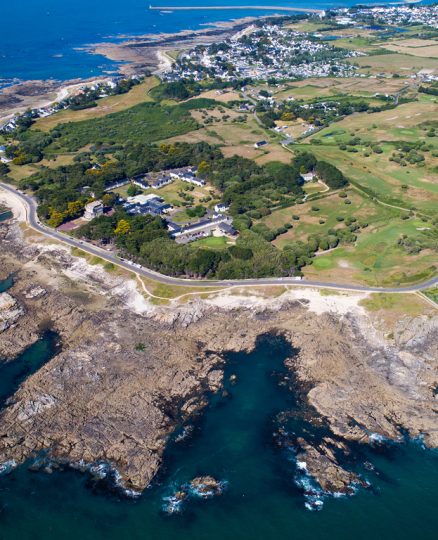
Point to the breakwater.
(257, 8)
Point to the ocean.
(232, 440)
(42, 39)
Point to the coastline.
(24, 95)
(136, 54)
(182, 357)
(143, 52)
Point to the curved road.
(32, 219)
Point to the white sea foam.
(7, 466)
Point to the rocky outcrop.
(123, 381)
(322, 464)
(10, 311)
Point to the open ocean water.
(39, 38)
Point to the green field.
(212, 242)
(409, 187)
(146, 122)
(432, 294)
(374, 259)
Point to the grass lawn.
(234, 138)
(402, 304)
(394, 63)
(384, 177)
(212, 242)
(18, 172)
(375, 258)
(313, 187)
(330, 208)
(432, 294)
(138, 94)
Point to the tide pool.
(14, 372)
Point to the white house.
(308, 177)
(93, 210)
(221, 207)
(143, 199)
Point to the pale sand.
(165, 63)
(339, 303)
(14, 203)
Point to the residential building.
(221, 208)
(93, 209)
(161, 181)
(202, 229)
(308, 177)
(147, 204)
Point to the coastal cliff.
(126, 377)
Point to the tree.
(123, 227)
(109, 199)
(56, 218)
(203, 169)
(74, 209)
(4, 169)
(133, 190)
(288, 116)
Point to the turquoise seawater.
(232, 441)
(39, 39)
(5, 284)
(14, 372)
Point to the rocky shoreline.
(140, 53)
(136, 54)
(125, 378)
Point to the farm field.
(427, 48)
(138, 94)
(317, 89)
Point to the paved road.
(33, 221)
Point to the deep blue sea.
(39, 38)
(233, 441)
